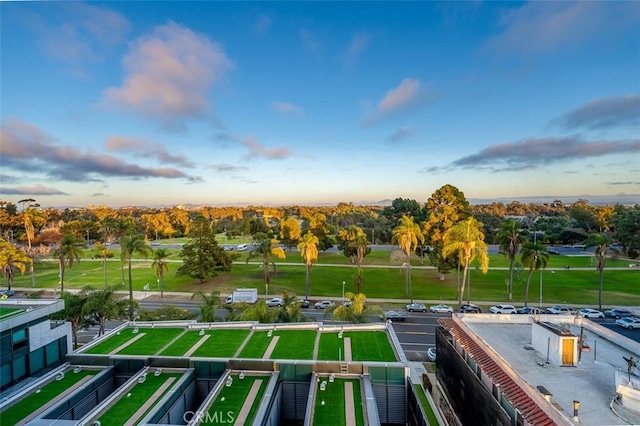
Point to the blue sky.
(163, 103)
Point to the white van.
(242, 247)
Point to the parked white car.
(276, 302)
(441, 309)
(590, 313)
(560, 309)
(324, 304)
(503, 309)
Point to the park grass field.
(19, 411)
(227, 405)
(221, 344)
(332, 412)
(365, 346)
(293, 344)
(149, 344)
(382, 281)
(126, 406)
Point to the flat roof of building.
(592, 381)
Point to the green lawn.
(221, 344)
(149, 344)
(9, 312)
(365, 346)
(228, 404)
(152, 342)
(332, 412)
(431, 417)
(126, 406)
(292, 344)
(14, 414)
(619, 286)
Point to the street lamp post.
(540, 288)
(343, 290)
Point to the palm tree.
(290, 310)
(12, 259)
(535, 257)
(121, 228)
(68, 251)
(129, 245)
(407, 235)
(308, 248)
(160, 265)
(211, 302)
(467, 240)
(264, 249)
(32, 217)
(103, 305)
(511, 238)
(602, 243)
(259, 312)
(108, 225)
(356, 312)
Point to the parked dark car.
(530, 310)
(304, 303)
(470, 308)
(618, 313)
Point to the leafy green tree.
(308, 248)
(210, 303)
(356, 312)
(602, 244)
(166, 313)
(12, 259)
(408, 236)
(202, 256)
(290, 311)
(446, 207)
(265, 249)
(290, 231)
(259, 312)
(130, 245)
(535, 257)
(320, 228)
(466, 239)
(626, 222)
(160, 265)
(69, 250)
(103, 305)
(403, 207)
(511, 238)
(74, 313)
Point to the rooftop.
(591, 381)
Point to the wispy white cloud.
(359, 42)
(31, 190)
(169, 75)
(605, 113)
(79, 32)
(26, 148)
(258, 150)
(536, 153)
(262, 24)
(310, 41)
(542, 26)
(145, 149)
(409, 96)
(226, 168)
(400, 134)
(287, 108)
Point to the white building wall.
(42, 334)
(545, 341)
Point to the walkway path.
(347, 349)
(349, 406)
(248, 403)
(152, 400)
(197, 345)
(124, 345)
(271, 347)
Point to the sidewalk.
(170, 296)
